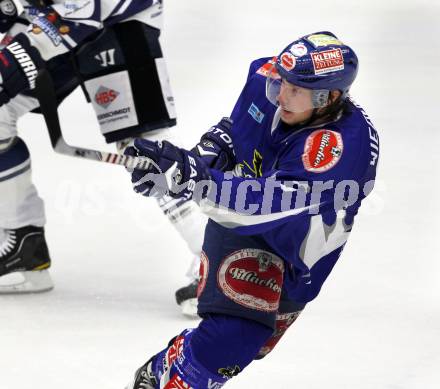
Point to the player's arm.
(251, 205)
(255, 205)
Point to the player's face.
(295, 103)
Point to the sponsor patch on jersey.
(267, 67)
(322, 151)
(287, 61)
(173, 352)
(319, 40)
(298, 49)
(255, 112)
(203, 273)
(252, 278)
(45, 25)
(105, 96)
(328, 61)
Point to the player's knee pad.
(127, 81)
(206, 357)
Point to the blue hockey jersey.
(298, 188)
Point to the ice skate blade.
(189, 308)
(26, 282)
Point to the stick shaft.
(45, 93)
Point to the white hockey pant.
(20, 204)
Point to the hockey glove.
(215, 147)
(175, 171)
(19, 65)
(8, 15)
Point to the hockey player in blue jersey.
(282, 182)
(109, 48)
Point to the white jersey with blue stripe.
(63, 25)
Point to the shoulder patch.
(255, 112)
(265, 69)
(322, 151)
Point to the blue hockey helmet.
(318, 61)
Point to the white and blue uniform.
(57, 31)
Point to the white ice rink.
(117, 262)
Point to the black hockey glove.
(19, 65)
(175, 171)
(216, 148)
(8, 15)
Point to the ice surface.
(117, 262)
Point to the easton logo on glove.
(25, 61)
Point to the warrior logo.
(25, 61)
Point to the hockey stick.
(45, 93)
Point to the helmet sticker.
(319, 40)
(322, 151)
(267, 67)
(298, 49)
(287, 61)
(328, 61)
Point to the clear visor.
(293, 98)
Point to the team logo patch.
(322, 151)
(203, 273)
(287, 61)
(255, 112)
(328, 61)
(299, 49)
(319, 40)
(252, 278)
(267, 68)
(105, 96)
